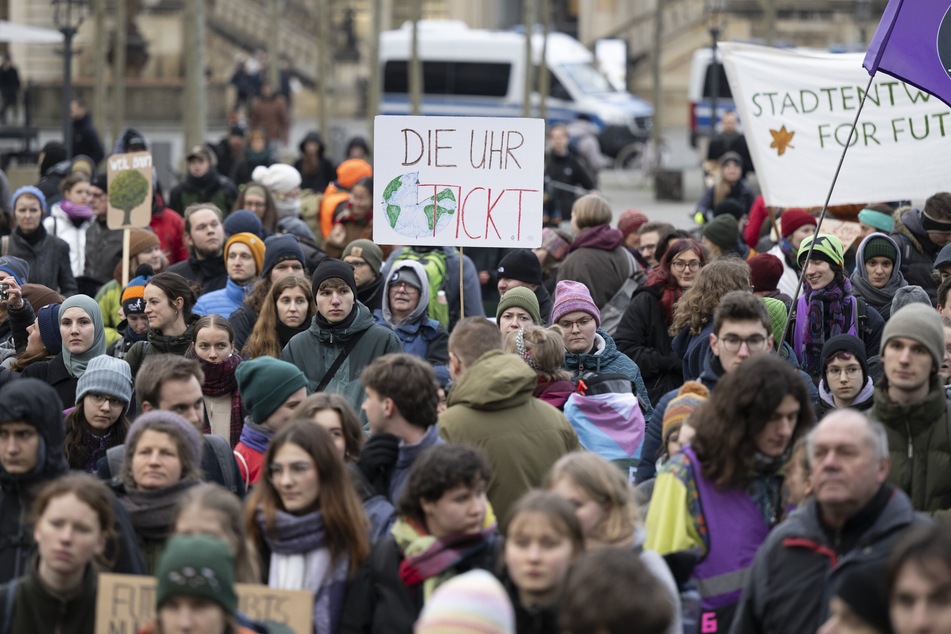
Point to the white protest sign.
(126, 603)
(458, 181)
(797, 109)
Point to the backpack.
(605, 413)
(224, 456)
(434, 262)
(612, 312)
(8, 595)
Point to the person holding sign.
(74, 520)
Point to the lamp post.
(68, 15)
(714, 10)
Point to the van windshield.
(588, 79)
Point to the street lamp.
(714, 10)
(68, 15)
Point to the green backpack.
(434, 262)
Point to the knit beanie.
(777, 318)
(101, 180)
(32, 191)
(141, 241)
(910, 294)
(243, 221)
(265, 383)
(863, 589)
(792, 219)
(731, 207)
(196, 566)
(880, 246)
(570, 297)
(133, 295)
(521, 265)
(351, 171)
(520, 297)
(944, 257)
(109, 376)
(329, 268)
(630, 221)
(295, 227)
(920, 323)
(192, 437)
(48, 318)
(828, 249)
(367, 250)
(40, 296)
(765, 271)
(845, 343)
(279, 177)
(471, 603)
(556, 244)
(278, 249)
(723, 231)
(253, 242)
(407, 275)
(691, 396)
(15, 267)
(882, 222)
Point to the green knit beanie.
(828, 249)
(265, 383)
(723, 231)
(197, 566)
(777, 318)
(520, 297)
(880, 246)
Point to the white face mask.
(290, 207)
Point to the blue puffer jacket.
(222, 302)
(607, 359)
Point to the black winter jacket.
(918, 253)
(211, 273)
(642, 335)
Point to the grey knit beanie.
(921, 323)
(910, 294)
(107, 376)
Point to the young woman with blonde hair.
(544, 350)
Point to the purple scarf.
(220, 380)
(74, 211)
(821, 314)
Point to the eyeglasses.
(680, 265)
(733, 343)
(99, 399)
(580, 323)
(851, 371)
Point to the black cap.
(521, 265)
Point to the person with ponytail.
(643, 333)
(169, 300)
(543, 349)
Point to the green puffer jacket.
(491, 407)
(919, 447)
(316, 349)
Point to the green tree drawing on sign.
(128, 190)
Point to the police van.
(477, 72)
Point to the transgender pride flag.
(913, 44)
(609, 424)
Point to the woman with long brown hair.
(693, 313)
(643, 333)
(98, 421)
(306, 520)
(288, 311)
(720, 496)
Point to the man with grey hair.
(854, 517)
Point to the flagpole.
(822, 215)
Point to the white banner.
(797, 109)
(458, 181)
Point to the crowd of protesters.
(634, 428)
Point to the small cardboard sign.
(130, 190)
(458, 181)
(844, 230)
(126, 603)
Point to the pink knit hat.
(570, 297)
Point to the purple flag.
(913, 44)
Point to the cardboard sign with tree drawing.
(130, 190)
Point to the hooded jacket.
(492, 407)
(863, 400)
(919, 446)
(597, 258)
(33, 402)
(605, 358)
(421, 336)
(315, 350)
(918, 253)
(803, 553)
